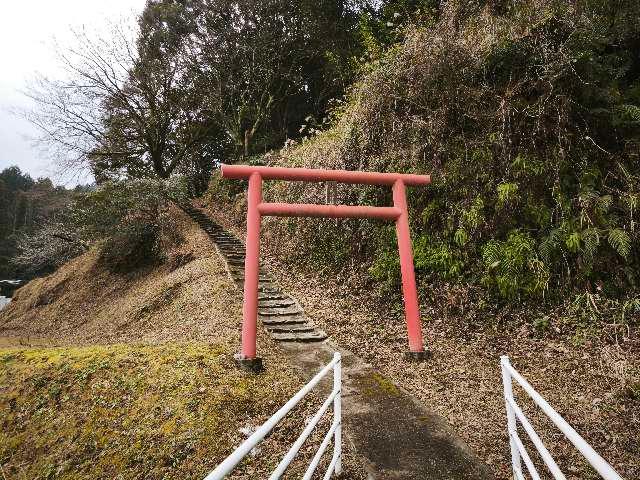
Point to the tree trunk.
(158, 167)
(247, 141)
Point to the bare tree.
(121, 107)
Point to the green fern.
(620, 241)
(591, 239)
(461, 237)
(629, 113)
(573, 242)
(603, 204)
(549, 246)
(513, 266)
(507, 193)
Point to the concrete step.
(316, 336)
(289, 320)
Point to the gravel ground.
(593, 385)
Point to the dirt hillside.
(105, 375)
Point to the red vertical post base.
(409, 291)
(252, 365)
(247, 358)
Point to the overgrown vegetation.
(25, 204)
(127, 220)
(527, 114)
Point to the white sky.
(27, 30)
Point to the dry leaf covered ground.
(595, 385)
(111, 376)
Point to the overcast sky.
(27, 28)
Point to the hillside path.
(395, 435)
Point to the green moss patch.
(167, 411)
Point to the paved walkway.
(397, 437)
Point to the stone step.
(268, 289)
(239, 272)
(236, 267)
(290, 320)
(231, 255)
(227, 241)
(272, 296)
(290, 328)
(234, 256)
(240, 276)
(280, 312)
(284, 303)
(299, 337)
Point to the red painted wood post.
(412, 310)
(251, 269)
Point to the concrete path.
(397, 437)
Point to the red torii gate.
(256, 209)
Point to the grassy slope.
(136, 376)
(140, 411)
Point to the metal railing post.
(337, 412)
(247, 357)
(412, 310)
(511, 417)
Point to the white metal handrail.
(334, 432)
(518, 451)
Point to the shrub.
(131, 219)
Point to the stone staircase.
(280, 314)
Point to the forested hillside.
(25, 205)
(527, 116)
